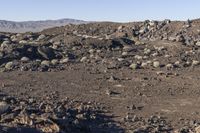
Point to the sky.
(99, 10)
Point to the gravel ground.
(102, 77)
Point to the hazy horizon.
(104, 10)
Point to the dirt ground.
(173, 96)
(141, 80)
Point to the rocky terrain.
(34, 26)
(140, 77)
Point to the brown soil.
(123, 93)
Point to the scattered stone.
(139, 43)
(98, 51)
(155, 54)
(48, 116)
(41, 37)
(23, 42)
(4, 45)
(45, 63)
(197, 129)
(9, 65)
(147, 51)
(6, 42)
(138, 57)
(124, 53)
(4, 107)
(64, 61)
(177, 63)
(167, 56)
(144, 64)
(54, 62)
(180, 38)
(102, 50)
(134, 66)
(156, 64)
(25, 59)
(83, 59)
(46, 52)
(120, 28)
(195, 63)
(198, 44)
(169, 66)
(149, 62)
(91, 51)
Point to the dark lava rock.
(46, 52)
(46, 115)
(120, 42)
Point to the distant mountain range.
(35, 26)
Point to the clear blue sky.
(99, 10)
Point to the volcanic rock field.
(102, 77)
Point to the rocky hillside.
(140, 77)
(34, 26)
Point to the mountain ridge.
(35, 26)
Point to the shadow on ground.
(94, 121)
(102, 124)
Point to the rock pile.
(139, 55)
(49, 51)
(47, 115)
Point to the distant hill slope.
(34, 26)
